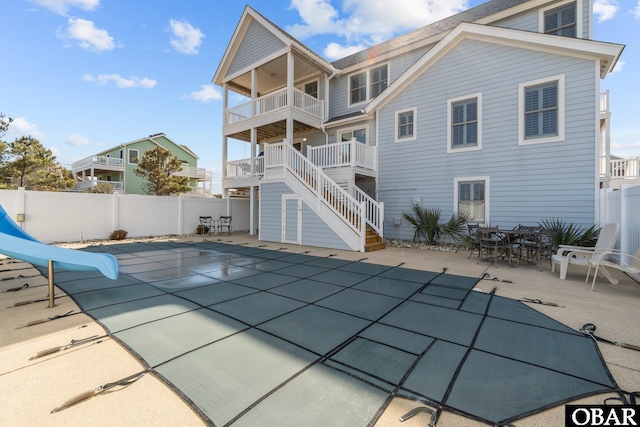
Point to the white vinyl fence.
(70, 217)
(623, 207)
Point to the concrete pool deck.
(32, 388)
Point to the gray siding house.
(495, 111)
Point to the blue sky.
(86, 75)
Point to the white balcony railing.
(274, 101)
(621, 168)
(97, 162)
(241, 169)
(343, 154)
(85, 185)
(604, 102)
(192, 172)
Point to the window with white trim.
(541, 110)
(471, 196)
(561, 21)
(311, 88)
(406, 125)
(464, 121)
(368, 84)
(359, 134)
(133, 156)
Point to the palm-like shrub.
(426, 223)
(570, 233)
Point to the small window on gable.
(471, 198)
(406, 125)
(561, 21)
(541, 115)
(378, 80)
(368, 84)
(358, 88)
(464, 120)
(133, 157)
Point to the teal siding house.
(116, 166)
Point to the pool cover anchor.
(124, 382)
(71, 344)
(589, 329)
(539, 301)
(48, 319)
(416, 411)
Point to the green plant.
(426, 223)
(570, 233)
(118, 235)
(202, 229)
(102, 188)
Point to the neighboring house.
(494, 111)
(116, 166)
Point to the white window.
(359, 134)
(133, 157)
(562, 19)
(368, 84)
(406, 125)
(471, 195)
(464, 123)
(311, 88)
(541, 110)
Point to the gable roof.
(251, 14)
(151, 138)
(607, 53)
(439, 27)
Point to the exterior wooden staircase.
(373, 241)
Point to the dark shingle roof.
(446, 24)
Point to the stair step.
(375, 246)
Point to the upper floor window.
(368, 84)
(561, 21)
(133, 156)
(542, 110)
(406, 125)
(464, 119)
(311, 89)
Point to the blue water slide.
(16, 243)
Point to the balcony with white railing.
(620, 169)
(272, 102)
(85, 185)
(241, 169)
(604, 102)
(98, 162)
(191, 172)
(343, 154)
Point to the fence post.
(20, 204)
(180, 213)
(116, 211)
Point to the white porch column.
(225, 106)
(252, 210)
(254, 91)
(290, 82)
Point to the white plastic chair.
(602, 263)
(580, 255)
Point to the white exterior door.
(291, 219)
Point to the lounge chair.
(580, 255)
(601, 263)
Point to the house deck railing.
(85, 185)
(97, 162)
(192, 172)
(274, 101)
(621, 168)
(241, 169)
(604, 102)
(343, 154)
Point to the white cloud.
(206, 93)
(626, 150)
(21, 127)
(186, 39)
(88, 36)
(61, 7)
(335, 51)
(636, 11)
(364, 23)
(605, 9)
(103, 79)
(78, 140)
(618, 66)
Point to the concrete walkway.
(32, 388)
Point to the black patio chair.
(225, 222)
(495, 241)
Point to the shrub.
(570, 233)
(118, 235)
(426, 223)
(202, 229)
(102, 188)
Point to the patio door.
(291, 219)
